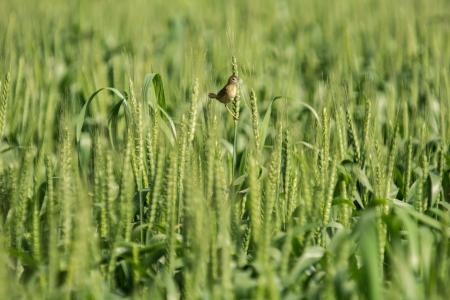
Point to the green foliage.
(119, 178)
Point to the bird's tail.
(212, 95)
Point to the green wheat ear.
(52, 224)
(353, 137)
(237, 99)
(408, 171)
(25, 194)
(37, 227)
(171, 212)
(158, 180)
(4, 90)
(182, 143)
(193, 111)
(255, 118)
(126, 194)
(100, 187)
(366, 130)
(196, 235)
(255, 199)
(137, 155)
(66, 185)
(270, 198)
(223, 206)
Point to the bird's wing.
(222, 93)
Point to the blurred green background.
(290, 48)
(352, 95)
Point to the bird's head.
(233, 79)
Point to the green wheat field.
(121, 179)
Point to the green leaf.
(412, 236)
(227, 146)
(393, 190)
(82, 115)
(362, 178)
(369, 274)
(309, 257)
(171, 123)
(412, 192)
(343, 201)
(344, 173)
(155, 80)
(426, 220)
(357, 198)
(240, 179)
(378, 201)
(308, 145)
(158, 87)
(445, 205)
(25, 258)
(264, 127)
(311, 109)
(113, 122)
(243, 282)
(436, 188)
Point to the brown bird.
(227, 93)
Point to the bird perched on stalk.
(227, 93)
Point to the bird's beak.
(240, 81)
